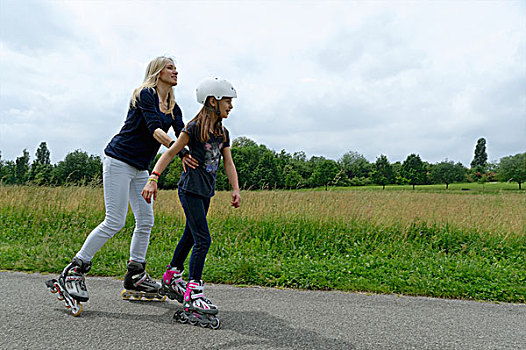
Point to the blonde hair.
(151, 78)
(208, 122)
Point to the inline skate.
(173, 285)
(138, 284)
(71, 285)
(197, 309)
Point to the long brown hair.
(209, 122)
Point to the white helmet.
(215, 87)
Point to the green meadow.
(467, 242)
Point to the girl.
(152, 111)
(207, 140)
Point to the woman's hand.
(236, 199)
(150, 190)
(189, 161)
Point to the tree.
(22, 168)
(247, 156)
(341, 179)
(78, 168)
(355, 165)
(42, 154)
(246, 159)
(448, 172)
(243, 142)
(266, 173)
(7, 171)
(41, 168)
(397, 170)
(300, 164)
(291, 178)
(222, 183)
(383, 173)
(1, 167)
(282, 160)
(513, 168)
(413, 170)
(324, 172)
(480, 159)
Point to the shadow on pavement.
(263, 328)
(273, 332)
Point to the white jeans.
(123, 183)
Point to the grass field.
(433, 242)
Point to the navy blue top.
(135, 144)
(202, 180)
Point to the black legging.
(196, 234)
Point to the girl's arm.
(231, 173)
(151, 186)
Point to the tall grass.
(410, 242)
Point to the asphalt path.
(253, 318)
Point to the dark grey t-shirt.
(202, 180)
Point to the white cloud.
(322, 77)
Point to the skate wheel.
(158, 298)
(56, 288)
(180, 317)
(215, 323)
(51, 286)
(68, 302)
(76, 310)
(125, 295)
(60, 297)
(203, 324)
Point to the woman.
(152, 111)
(208, 140)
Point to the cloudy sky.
(323, 77)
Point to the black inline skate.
(173, 285)
(71, 285)
(198, 309)
(138, 284)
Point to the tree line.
(259, 167)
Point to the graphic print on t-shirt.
(212, 156)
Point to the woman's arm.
(170, 154)
(151, 186)
(231, 173)
(162, 137)
(147, 103)
(165, 140)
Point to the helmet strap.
(218, 112)
(209, 108)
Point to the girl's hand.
(150, 190)
(236, 199)
(188, 161)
